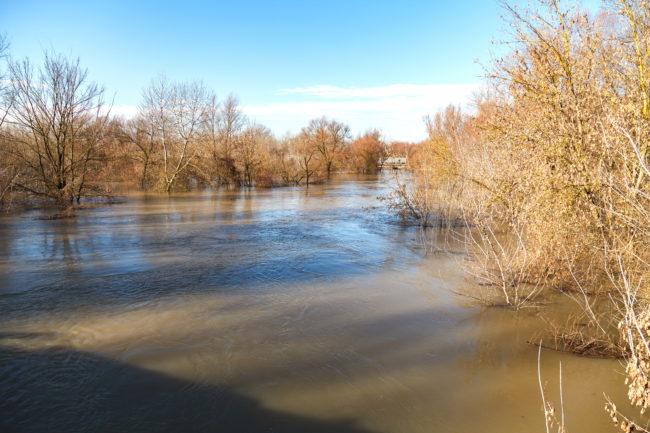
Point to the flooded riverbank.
(264, 310)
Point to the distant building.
(394, 162)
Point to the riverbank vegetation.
(550, 174)
(60, 143)
(546, 181)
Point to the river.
(271, 310)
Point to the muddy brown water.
(282, 310)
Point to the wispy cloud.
(396, 109)
(127, 111)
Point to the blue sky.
(380, 64)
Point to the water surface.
(281, 310)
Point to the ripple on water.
(271, 310)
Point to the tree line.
(60, 143)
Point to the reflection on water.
(270, 310)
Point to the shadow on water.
(416, 371)
(76, 391)
(261, 311)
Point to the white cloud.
(395, 109)
(127, 111)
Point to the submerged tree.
(57, 123)
(231, 122)
(171, 118)
(367, 152)
(306, 154)
(328, 138)
(249, 151)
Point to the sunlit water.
(282, 310)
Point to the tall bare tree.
(284, 159)
(328, 138)
(231, 123)
(173, 117)
(142, 134)
(58, 121)
(306, 153)
(212, 125)
(249, 151)
(339, 135)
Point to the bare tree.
(172, 117)
(249, 150)
(328, 138)
(212, 125)
(155, 122)
(142, 135)
(367, 152)
(58, 122)
(338, 136)
(231, 123)
(285, 161)
(306, 152)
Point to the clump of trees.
(58, 125)
(60, 142)
(550, 175)
(367, 152)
